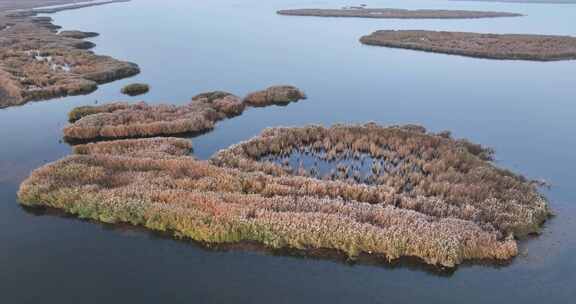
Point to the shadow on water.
(322, 254)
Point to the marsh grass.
(38, 63)
(492, 46)
(274, 95)
(142, 120)
(122, 120)
(400, 163)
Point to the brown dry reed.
(412, 163)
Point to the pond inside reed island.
(524, 110)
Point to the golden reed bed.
(460, 207)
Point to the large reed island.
(398, 163)
(445, 204)
(491, 46)
(37, 63)
(392, 13)
(122, 120)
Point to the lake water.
(525, 110)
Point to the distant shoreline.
(14, 5)
(393, 13)
(523, 1)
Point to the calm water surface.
(525, 110)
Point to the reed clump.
(223, 102)
(153, 183)
(121, 120)
(79, 112)
(135, 89)
(274, 95)
(143, 120)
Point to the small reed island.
(122, 120)
(392, 13)
(423, 195)
(490, 46)
(78, 34)
(37, 63)
(135, 89)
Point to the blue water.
(525, 110)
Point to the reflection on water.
(524, 110)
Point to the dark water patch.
(352, 166)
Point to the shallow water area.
(524, 110)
